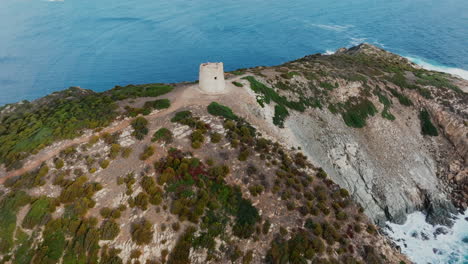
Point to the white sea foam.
(356, 41)
(441, 68)
(329, 52)
(337, 28)
(424, 243)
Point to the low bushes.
(357, 113)
(404, 100)
(216, 137)
(134, 91)
(109, 230)
(162, 134)
(266, 94)
(148, 152)
(107, 212)
(141, 232)
(217, 109)
(139, 125)
(9, 206)
(281, 113)
(180, 116)
(104, 163)
(197, 139)
(39, 213)
(427, 128)
(238, 84)
(181, 252)
(158, 104)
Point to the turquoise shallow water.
(50, 45)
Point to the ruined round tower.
(212, 78)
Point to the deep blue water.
(50, 45)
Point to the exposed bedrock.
(386, 166)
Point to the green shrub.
(31, 127)
(281, 113)
(436, 80)
(110, 255)
(427, 128)
(357, 113)
(141, 232)
(217, 109)
(141, 201)
(58, 163)
(341, 216)
(216, 137)
(344, 193)
(23, 253)
(321, 173)
(79, 188)
(248, 257)
(256, 190)
(154, 192)
(38, 214)
(197, 138)
(134, 91)
(243, 155)
(246, 217)
(327, 86)
(126, 152)
(181, 252)
(147, 153)
(93, 140)
(266, 94)
(109, 230)
(179, 116)
(107, 212)
(289, 75)
(139, 125)
(162, 134)
(158, 104)
(53, 243)
(238, 84)
(238, 72)
(28, 179)
(104, 163)
(114, 151)
(9, 207)
(404, 100)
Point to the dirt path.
(180, 98)
(51, 151)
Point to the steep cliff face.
(385, 161)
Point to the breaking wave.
(424, 243)
(337, 28)
(441, 68)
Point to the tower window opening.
(216, 78)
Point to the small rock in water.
(415, 235)
(424, 236)
(441, 231)
(437, 251)
(465, 240)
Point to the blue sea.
(47, 45)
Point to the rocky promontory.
(295, 163)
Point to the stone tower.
(212, 78)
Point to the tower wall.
(212, 78)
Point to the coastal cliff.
(295, 162)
